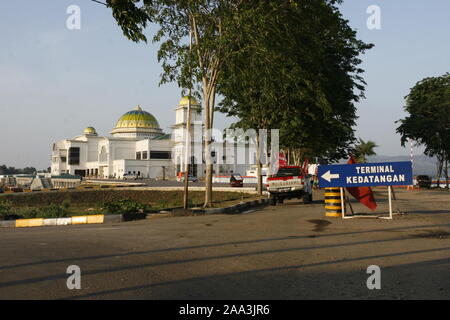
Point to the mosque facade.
(138, 146)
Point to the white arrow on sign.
(328, 176)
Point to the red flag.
(278, 161)
(305, 167)
(362, 194)
(282, 160)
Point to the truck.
(288, 183)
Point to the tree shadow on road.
(136, 267)
(404, 281)
(231, 243)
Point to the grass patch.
(107, 201)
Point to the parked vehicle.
(130, 176)
(288, 183)
(236, 181)
(424, 181)
(191, 178)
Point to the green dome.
(137, 118)
(137, 123)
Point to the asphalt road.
(286, 252)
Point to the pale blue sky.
(55, 81)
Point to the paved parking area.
(286, 252)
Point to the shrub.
(81, 199)
(53, 211)
(162, 203)
(29, 213)
(125, 206)
(66, 204)
(5, 208)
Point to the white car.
(130, 176)
(288, 183)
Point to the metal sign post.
(343, 203)
(390, 204)
(366, 175)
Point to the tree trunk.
(207, 145)
(208, 174)
(258, 164)
(440, 164)
(294, 157)
(210, 68)
(446, 171)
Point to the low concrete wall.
(217, 189)
(40, 222)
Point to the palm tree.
(364, 149)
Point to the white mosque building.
(137, 145)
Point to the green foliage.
(66, 204)
(81, 200)
(428, 122)
(11, 170)
(5, 206)
(52, 211)
(30, 213)
(209, 21)
(214, 26)
(296, 69)
(364, 149)
(162, 204)
(49, 211)
(132, 19)
(125, 206)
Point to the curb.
(116, 218)
(236, 209)
(75, 220)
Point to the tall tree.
(212, 23)
(298, 73)
(364, 149)
(428, 122)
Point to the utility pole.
(188, 134)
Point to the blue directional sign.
(366, 174)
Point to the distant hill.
(422, 164)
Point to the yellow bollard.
(333, 204)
